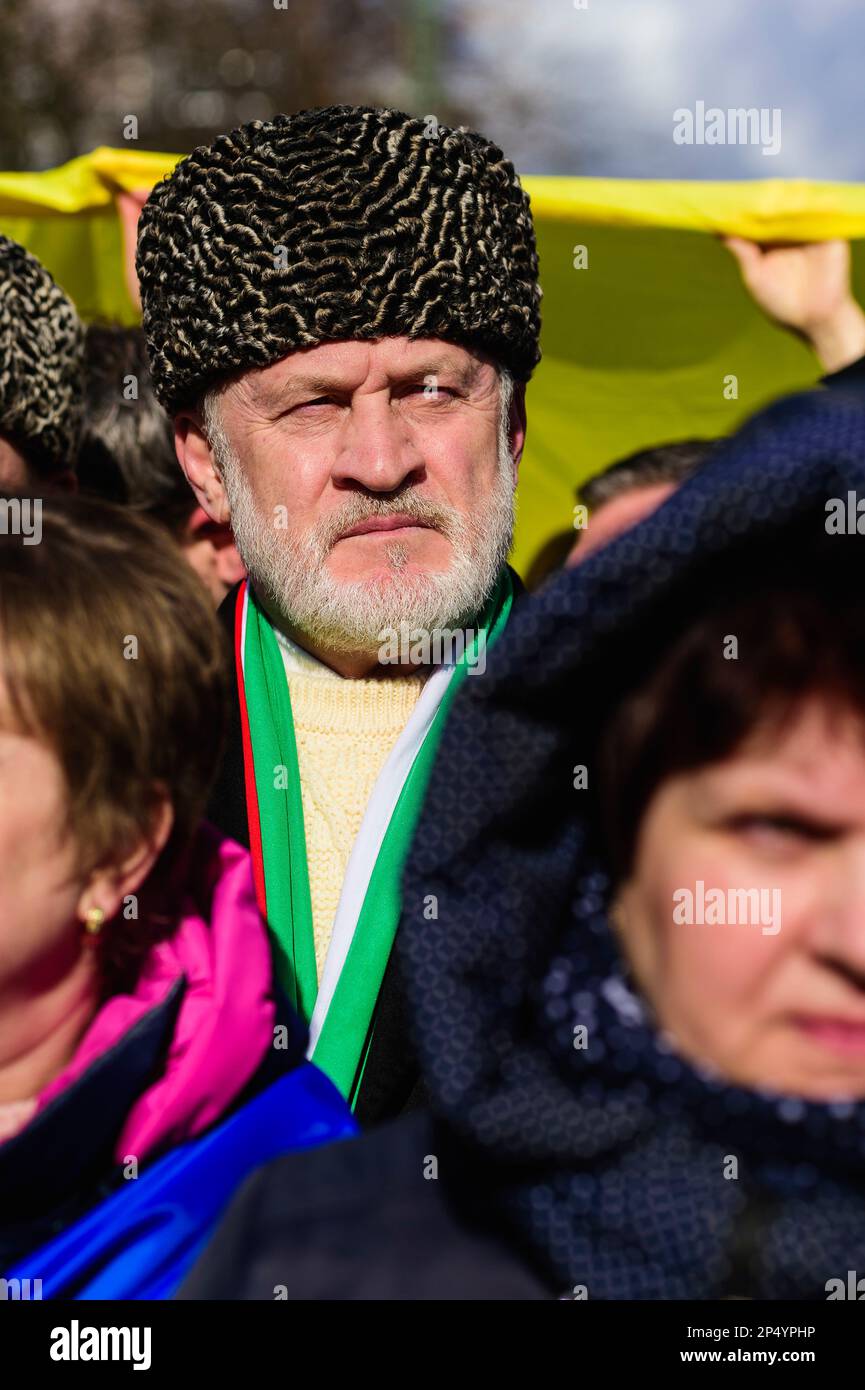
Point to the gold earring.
(93, 920)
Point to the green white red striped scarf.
(342, 1033)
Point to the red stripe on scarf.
(252, 815)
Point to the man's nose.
(376, 449)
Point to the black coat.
(391, 1081)
(364, 1219)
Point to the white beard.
(349, 617)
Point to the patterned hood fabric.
(41, 361)
(611, 1164)
(343, 222)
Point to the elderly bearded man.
(342, 310)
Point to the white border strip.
(370, 838)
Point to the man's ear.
(517, 425)
(195, 456)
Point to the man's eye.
(319, 400)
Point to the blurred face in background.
(211, 552)
(779, 1002)
(14, 473)
(615, 517)
(17, 474)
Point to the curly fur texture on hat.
(41, 362)
(342, 222)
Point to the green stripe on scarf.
(289, 911)
(280, 811)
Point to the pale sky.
(595, 89)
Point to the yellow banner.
(648, 333)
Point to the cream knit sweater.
(345, 730)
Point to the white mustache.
(363, 509)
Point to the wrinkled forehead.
(353, 364)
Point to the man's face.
(774, 998)
(368, 480)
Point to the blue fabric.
(606, 1164)
(143, 1239)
